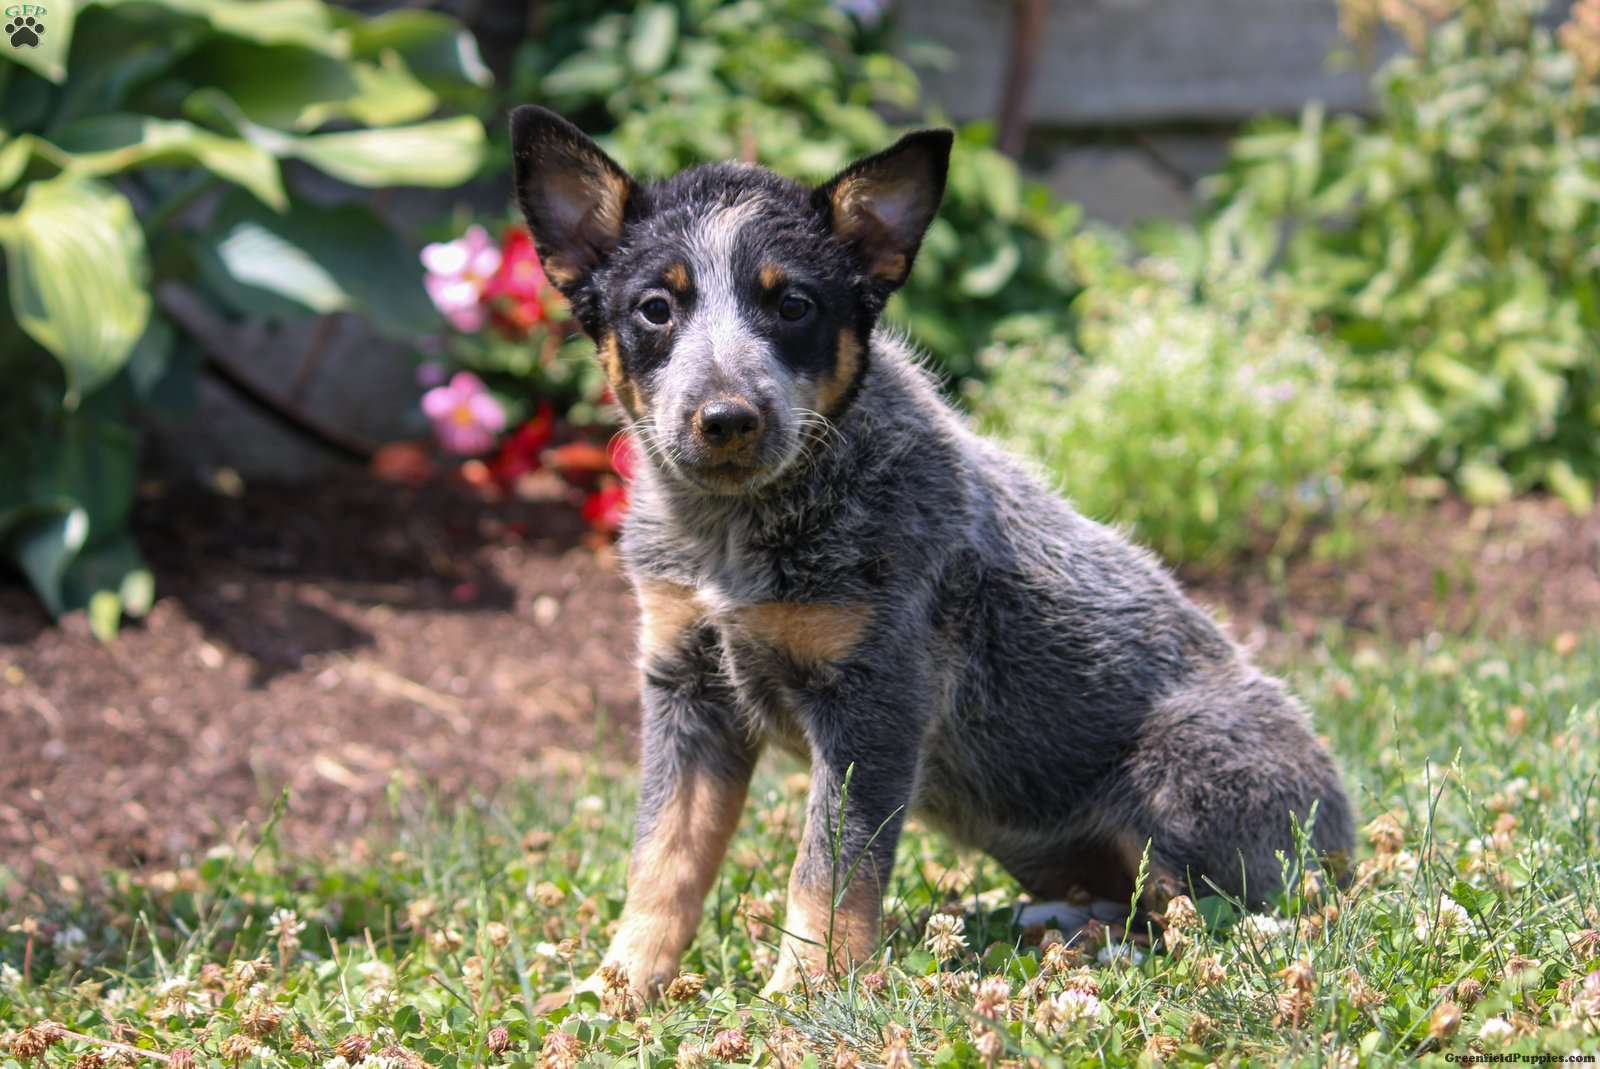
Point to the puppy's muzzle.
(729, 427)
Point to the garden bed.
(330, 641)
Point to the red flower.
(603, 510)
(521, 452)
(516, 293)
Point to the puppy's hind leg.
(1224, 772)
(1089, 880)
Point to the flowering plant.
(511, 391)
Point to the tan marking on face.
(622, 385)
(835, 386)
(672, 869)
(676, 276)
(855, 221)
(811, 633)
(666, 612)
(813, 926)
(771, 276)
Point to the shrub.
(1448, 241)
(1206, 420)
(143, 146)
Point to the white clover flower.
(1074, 1005)
(380, 1000)
(1261, 928)
(285, 923)
(1451, 920)
(1497, 1031)
(945, 935)
(376, 972)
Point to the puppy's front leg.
(847, 852)
(695, 764)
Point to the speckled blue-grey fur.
(1030, 682)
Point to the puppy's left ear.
(882, 205)
(573, 195)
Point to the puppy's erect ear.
(882, 204)
(573, 195)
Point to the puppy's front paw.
(556, 999)
(799, 964)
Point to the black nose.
(727, 422)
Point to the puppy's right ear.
(573, 195)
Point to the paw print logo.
(24, 31)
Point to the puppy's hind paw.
(1070, 917)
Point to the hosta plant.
(158, 147)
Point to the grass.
(1472, 926)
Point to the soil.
(328, 641)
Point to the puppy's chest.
(773, 644)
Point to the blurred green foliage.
(1196, 408)
(1448, 243)
(146, 144)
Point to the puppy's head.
(731, 307)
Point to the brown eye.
(656, 311)
(794, 308)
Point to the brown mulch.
(1529, 568)
(329, 640)
(324, 642)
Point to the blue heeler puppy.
(828, 558)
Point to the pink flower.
(456, 274)
(465, 417)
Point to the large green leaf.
(78, 272)
(435, 47)
(386, 94)
(315, 260)
(273, 22)
(66, 486)
(14, 157)
(43, 548)
(444, 153)
(38, 35)
(292, 88)
(106, 144)
(271, 84)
